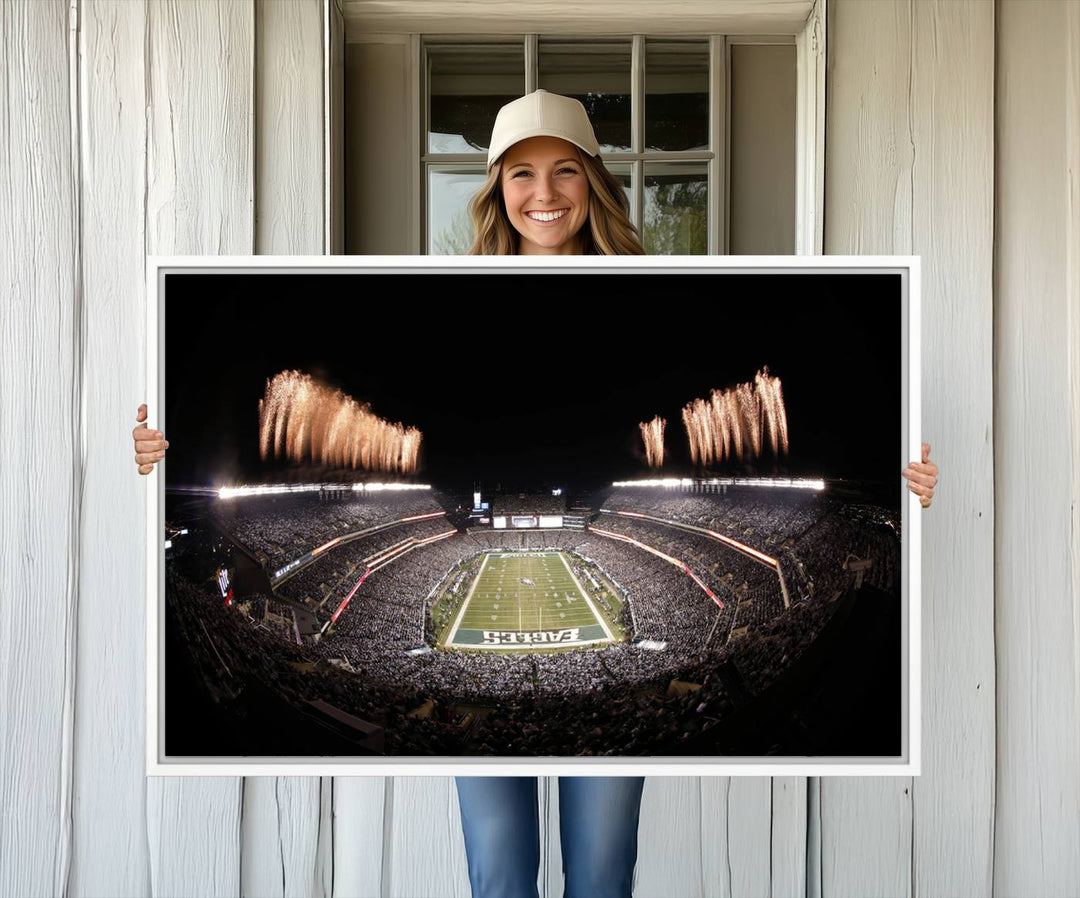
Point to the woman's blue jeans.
(598, 821)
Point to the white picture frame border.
(908, 762)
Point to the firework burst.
(736, 423)
(652, 432)
(303, 420)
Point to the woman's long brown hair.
(608, 231)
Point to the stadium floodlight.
(389, 487)
(777, 482)
(237, 492)
(782, 482)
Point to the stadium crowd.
(527, 504)
(615, 699)
(328, 578)
(610, 701)
(761, 518)
(278, 528)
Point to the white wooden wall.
(199, 127)
(1036, 837)
(909, 151)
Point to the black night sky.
(535, 381)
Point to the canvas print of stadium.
(557, 515)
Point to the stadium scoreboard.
(527, 522)
(481, 511)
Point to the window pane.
(623, 174)
(676, 209)
(676, 95)
(467, 86)
(597, 74)
(449, 191)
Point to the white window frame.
(809, 42)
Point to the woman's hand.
(150, 445)
(922, 477)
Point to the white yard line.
(599, 617)
(461, 613)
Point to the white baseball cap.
(541, 114)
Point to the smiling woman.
(548, 192)
(546, 195)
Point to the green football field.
(522, 600)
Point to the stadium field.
(527, 601)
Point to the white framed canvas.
(507, 515)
